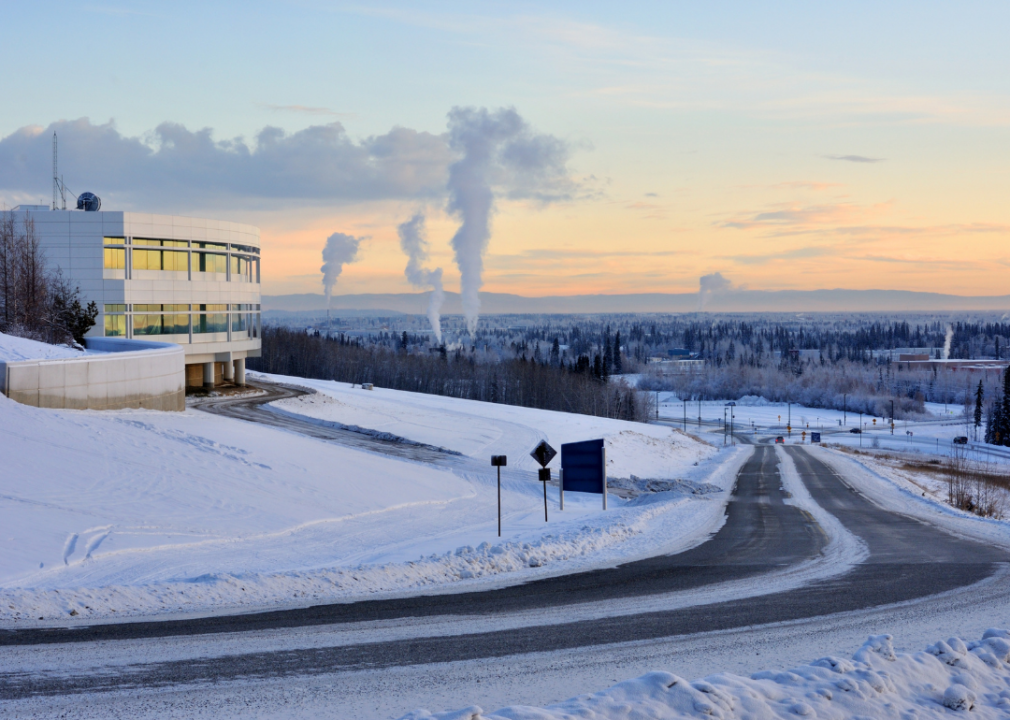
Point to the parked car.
(961, 440)
(855, 430)
(780, 440)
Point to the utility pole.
(685, 415)
(892, 417)
(860, 428)
(845, 408)
(724, 427)
(699, 411)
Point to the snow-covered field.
(948, 677)
(113, 514)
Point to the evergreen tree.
(555, 352)
(979, 399)
(403, 341)
(618, 363)
(608, 354)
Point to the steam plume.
(416, 247)
(709, 285)
(946, 342)
(498, 150)
(340, 249)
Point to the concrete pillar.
(229, 371)
(208, 375)
(240, 371)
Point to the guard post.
(499, 461)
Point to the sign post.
(499, 461)
(543, 453)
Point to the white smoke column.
(708, 285)
(946, 342)
(340, 249)
(498, 150)
(416, 247)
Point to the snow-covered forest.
(840, 361)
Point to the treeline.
(36, 301)
(576, 388)
(850, 386)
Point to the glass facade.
(161, 243)
(115, 258)
(208, 323)
(210, 262)
(161, 324)
(210, 319)
(115, 320)
(160, 260)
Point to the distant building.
(190, 281)
(663, 366)
(993, 366)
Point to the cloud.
(806, 185)
(853, 158)
(797, 254)
(175, 166)
(307, 110)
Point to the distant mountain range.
(731, 301)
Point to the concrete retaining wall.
(133, 374)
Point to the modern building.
(190, 281)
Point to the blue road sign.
(583, 465)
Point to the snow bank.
(15, 348)
(950, 676)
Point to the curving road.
(763, 534)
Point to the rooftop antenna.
(58, 185)
(56, 182)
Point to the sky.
(784, 145)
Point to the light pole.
(860, 428)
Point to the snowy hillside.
(141, 512)
(479, 430)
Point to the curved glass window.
(160, 260)
(210, 262)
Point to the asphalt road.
(252, 408)
(907, 560)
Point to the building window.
(210, 262)
(115, 320)
(160, 260)
(161, 243)
(211, 319)
(115, 258)
(160, 324)
(115, 241)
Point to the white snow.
(112, 514)
(950, 676)
(14, 348)
(479, 430)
